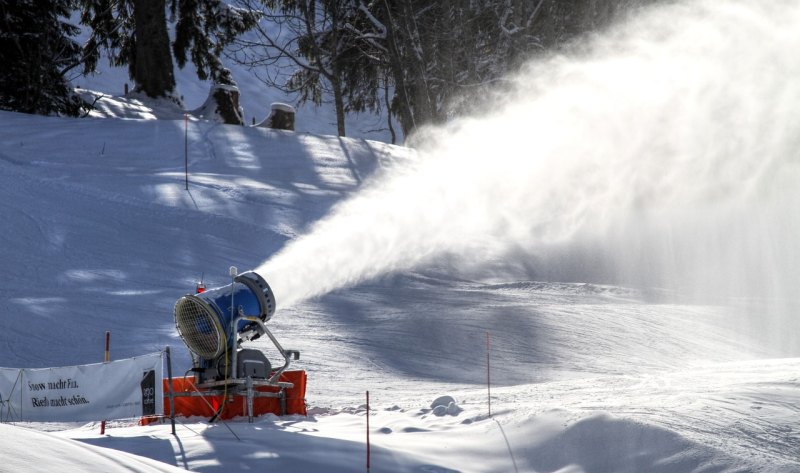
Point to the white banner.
(115, 390)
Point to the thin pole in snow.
(106, 359)
(186, 147)
(171, 393)
(488, 376)
(368, 449)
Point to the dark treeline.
(415, 59)
(38, 48)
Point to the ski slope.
(100, 234)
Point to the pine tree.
(203, 29)
(134, 33)
(36, 49)
(152, 61)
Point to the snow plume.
(664, 153)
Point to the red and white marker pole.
(368, 449)
(106, 359)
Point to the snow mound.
(41, 452)
(445, 405)
(132, 106)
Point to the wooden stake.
(368, 449)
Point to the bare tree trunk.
(336, 72)
(404, 110)
(153, 70)
(388, 108)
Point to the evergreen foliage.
(37, 50)
(134, 33)
(203, 29)
(417, 58)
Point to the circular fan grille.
(199, 327)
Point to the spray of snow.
(665, 153)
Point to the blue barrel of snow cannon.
(204, 321)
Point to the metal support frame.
(5, 404)
(288, 355)
(245, 386)
(242, 386)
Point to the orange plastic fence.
(206, 406)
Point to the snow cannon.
(216, 322)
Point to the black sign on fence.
(149, 393)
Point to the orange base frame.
(206, 406)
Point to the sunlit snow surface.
(100, 234)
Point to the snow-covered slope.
(100, 234)
(88, 205)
